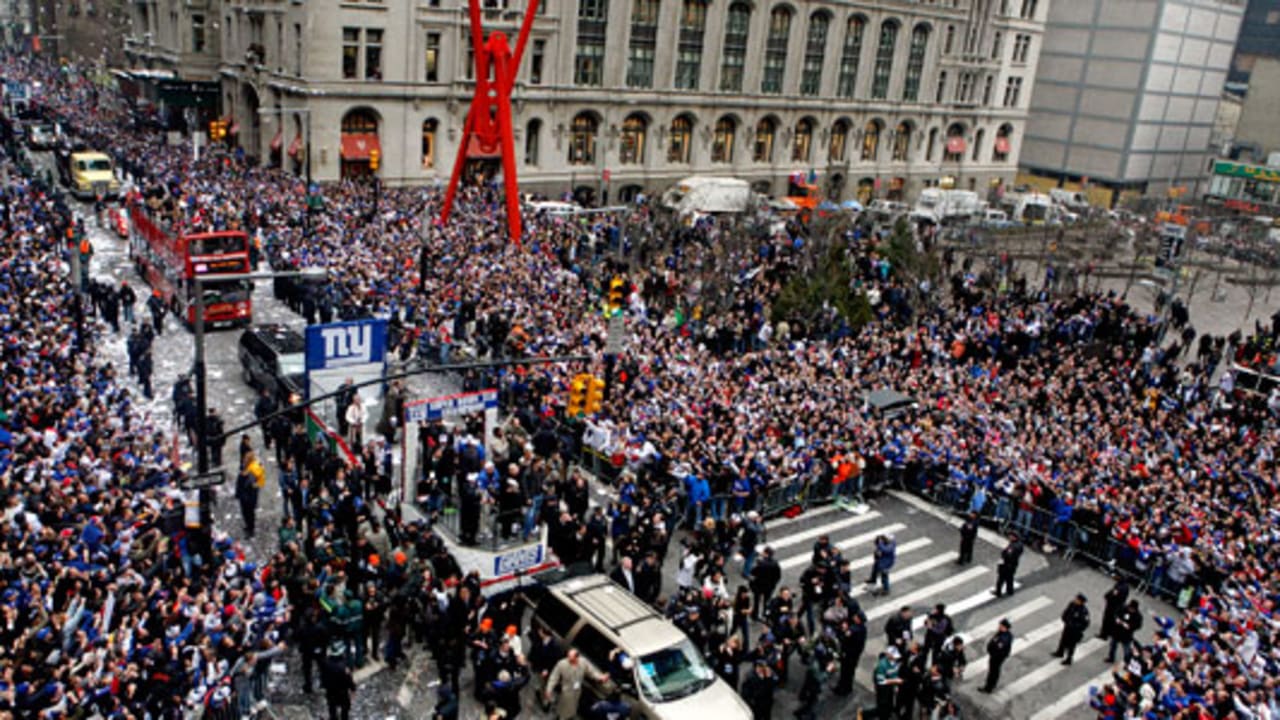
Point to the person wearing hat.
(886, 554)
(1075, 621)
(1008, 566)
(968, 536)
(886, 681)
(339, 685)
(999, 648)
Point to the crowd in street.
(1076, 418)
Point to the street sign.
(617, 335)
(517, 560)
(204, 480)
(188, 94)
(344, 344)
(451, 406)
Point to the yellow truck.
(87, 173)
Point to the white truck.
(694, 197)
(1071, 200)
(939, 206)
(1035, 209)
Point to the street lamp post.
(202, 409)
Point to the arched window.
(954, 149)
(360, 120)
(1004, 143)
(803, 141)
(884, 60)
(775, 50)
(839, 139)
(582, 139)
(978, 137)
(722, 142)
(681, 145)
(902, 142)
(849, 56)
(815, 52)
(429, 127)
(531, 141)
(736, 32)
(634, 131)
(915, 63)
(766, 129)
(871, 140)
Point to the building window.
(815, 50)
(964, 91)
(884, 60)
(350, 53)
(433, 57)
(535, 62)
(902, 142)
(933, 143)
(775, 53)
(1021, 47)
(849, 57)
(987, 86)
(1012, 92)
(803, 141)
(871, 140)
(582, 139)
(681, 144)
(372, 54)
(1000, 151)
(588, 63)
(735, 47)
(693, 23)
(954, 150)
(915, 63)
(941, 93)
(978, 137)
(532, 136)
(197, 33)
(997, 41)
(722, 141)
(765, 131)
(1028, 9)
(429, 127)
(949, 40)
(297, 49)
(839, 139)
(634, 129)
(641, 48)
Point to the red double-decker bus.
(169, 261)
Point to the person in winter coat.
(565, 684)
(999, 648)
(155, 304)
(1128, 622)
(886, 554)
(1114, 600)
(251, 479)
(1075, 621)
(127, 298)
(356, 416)
(757, 691)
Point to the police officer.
(1075, 621)
(1008, 567)
(968, 535)
(999, 648)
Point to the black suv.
(273, 357)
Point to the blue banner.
(346, 344)
(451, 405)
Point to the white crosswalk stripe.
(1051, 668)
(803, 559)
(1021, 643)
(775, 525)
(1072, 698)
(986, 627)
(929, 591)
(958, 608)
(830, 528)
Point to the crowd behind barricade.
(1072, 419)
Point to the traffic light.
(374, 156)
(595, 394)
(217, 130)
(577, 396)
(617, 294)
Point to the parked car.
(667, 678)
(273, 357)
(42, 135)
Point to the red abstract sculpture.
(489, 119)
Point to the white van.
(668, 680)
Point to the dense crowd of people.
(1073, 416)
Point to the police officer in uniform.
(1008, 567)
(968, 535)
(999, 647)
(1075, 621)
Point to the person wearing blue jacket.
(699, 491)
(886, 554)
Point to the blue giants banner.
(346, 344)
